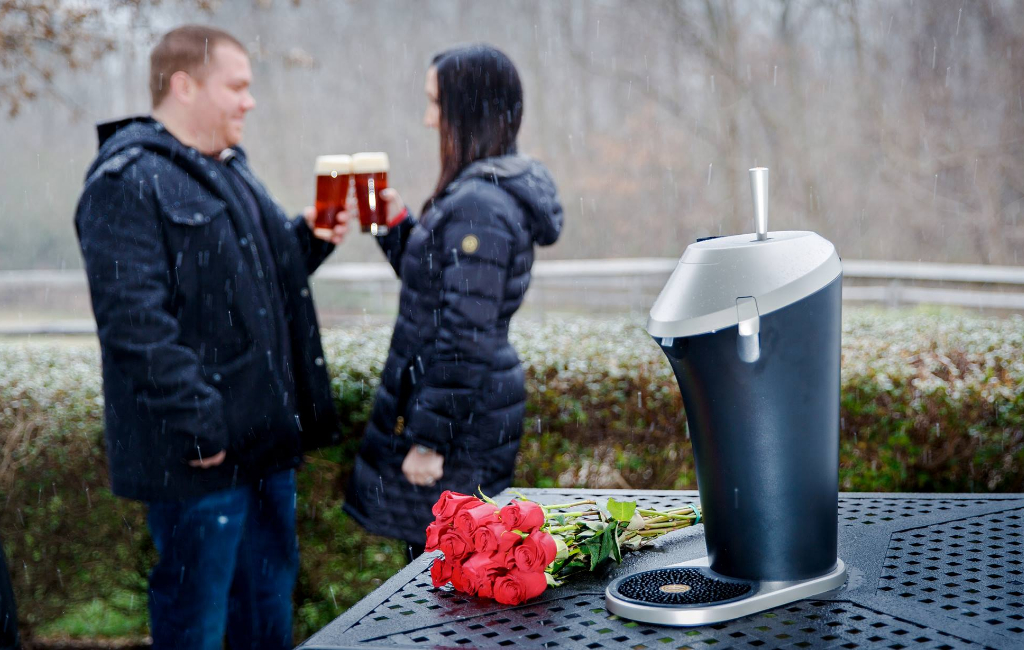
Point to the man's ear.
(183, 87)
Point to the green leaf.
(637, 522)
(621, 510)
(563, 549)
(610, 544)
(596, 526)
(593, 549)
(603, 546)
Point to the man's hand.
(212, 461)
(341, 220)
(423, 466)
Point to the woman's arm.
(400, 223)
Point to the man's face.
(222, 99)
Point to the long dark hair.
(481, 102)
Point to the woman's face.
(432, 116)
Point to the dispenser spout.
(759, 191)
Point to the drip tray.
(691, 593)
(681, 587)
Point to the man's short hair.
(187, 48)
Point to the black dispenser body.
(765, 437)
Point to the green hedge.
(930, 402)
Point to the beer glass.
(370, 171)
(333, 174)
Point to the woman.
(448, 414)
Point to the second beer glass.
(332, 180)
(371, 176)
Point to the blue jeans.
(228, 563)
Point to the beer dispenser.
(751, 326)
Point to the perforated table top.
(937, 571)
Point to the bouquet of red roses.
(513, 553)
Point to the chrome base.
(765, 595)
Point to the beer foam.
(370, 162)
(326, 165)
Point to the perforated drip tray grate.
(692, 594)
(680, 587)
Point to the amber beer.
(370, 171)
(333, 174)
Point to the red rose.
(450, 503)
(522, 515)
(434, 532)
(517, 586)
(454, 544)
(536, 552)
(461, 581)
(485, 538)
(469, 519)
(486, 588)
(507, 543)
(477, 572)
(440, 572)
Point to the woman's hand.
(212, 461)
(423, 466)
(341, 220)
(396, 211)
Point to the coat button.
(263, 311)
(243, 241)
(319, 361)
(216, 376)
(304, 293)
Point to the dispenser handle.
(759, 192)
(748, 335)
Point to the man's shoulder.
(116, 164)
(130, 162)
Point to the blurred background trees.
(895, 129)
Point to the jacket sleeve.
(314, 250)
(126, 263)
(393, 243)
(476, 253)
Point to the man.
(213, 372)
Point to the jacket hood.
(143, 132)
(530, 182)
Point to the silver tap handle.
(759, 191)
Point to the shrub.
(930, 402)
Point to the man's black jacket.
(201, 352)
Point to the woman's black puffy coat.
(452, 381)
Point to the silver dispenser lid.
(715, 280)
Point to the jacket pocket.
(195, 212)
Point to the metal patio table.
(925, 571)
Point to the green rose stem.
(671, 514)
(578, 513)
(667, 524)
(563, 506)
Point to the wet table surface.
(925, 571)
